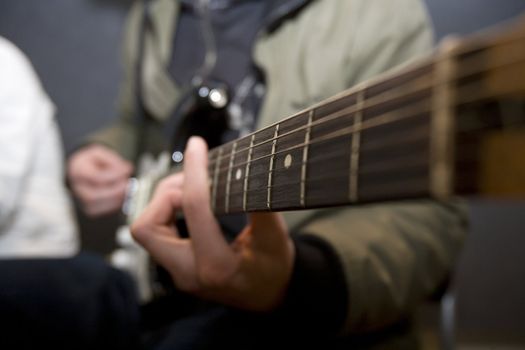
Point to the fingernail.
(193, 141)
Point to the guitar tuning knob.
(217, 97)
(177, 156)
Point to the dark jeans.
(69, 303)
(83, 303)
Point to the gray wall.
(466, 16)
(74, 45)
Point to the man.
(347, 276)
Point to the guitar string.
(419, 186)
(468, 45)
(377, 167)
(417, 135)
(345, 132)
(421, 108)
(345, 113)
(342, 175)
(381, 120)
(367, 105)
(336, 115)
(421, 164)
(470, 90)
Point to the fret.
(354, 151)
(247, 174)
(222, 178)
(236, 194)
(305, 157)
(229, 179)
(215, 179)
(257, 197)
(212, 158)
(270, 171)
(288, 165)
(442, 126)
(393, 157)
(326, 139)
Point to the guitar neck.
(417, 132)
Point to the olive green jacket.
(393, 255)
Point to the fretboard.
(407, 134)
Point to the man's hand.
(98, 177)
(251, 273)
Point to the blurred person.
(52, 295)
(36, 213)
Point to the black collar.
(212, 4)
(278, 10)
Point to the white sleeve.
(19, 98)
(36, 213)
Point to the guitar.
(449, 124)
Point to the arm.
(121, 135)
(98, 172)
(392, 256)
(23, 107)
(379, 36)
(250, 273)
(36, 217)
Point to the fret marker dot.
(238, 174)
(288, 161)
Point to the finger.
(98, 175)
(161, 209)
(90, 173)
(90, 194)
(110, 175)
(98, 166)
(107, 157)
(102, 208)
(208, 242)
(156, 233)
(175, 255)
(269, 231)
(100, 199)
(170, 182)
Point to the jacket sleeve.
(393, 255)
(23, 108)
(36, 216)
(122, 134)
